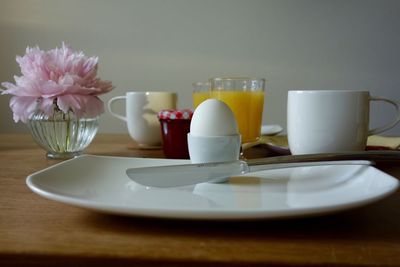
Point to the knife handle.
(375, 156)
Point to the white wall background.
(168, 44)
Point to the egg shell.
(213, 118)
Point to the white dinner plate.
(99, 183)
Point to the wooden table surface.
(38, 232)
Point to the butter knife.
(190, 174)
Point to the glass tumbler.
(245, 96)
(201, 92)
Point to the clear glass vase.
(62, 135)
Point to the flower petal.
(47, 106)
(81, 105)
(23, 107)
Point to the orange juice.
(199, 97)
(247, 106)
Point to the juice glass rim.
(237, 84)
(233, 78)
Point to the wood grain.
(39, 232)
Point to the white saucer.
(99, 183)
(272, 129)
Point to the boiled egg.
(213, 118)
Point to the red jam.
(175, 125)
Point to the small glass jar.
(175, 125)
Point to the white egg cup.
(205, 149)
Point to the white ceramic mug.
(324, 121)
(141, 114)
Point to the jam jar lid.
(175, 114)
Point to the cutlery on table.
(190, 174)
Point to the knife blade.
(378, 156)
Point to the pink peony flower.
(60, 77)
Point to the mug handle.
(109, 105)
(393, 123)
